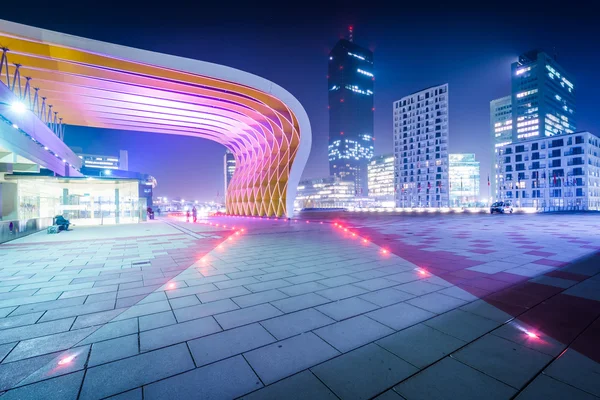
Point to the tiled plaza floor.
(348, 306)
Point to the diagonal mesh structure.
(104, 85)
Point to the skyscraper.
(228, 169)
(500, 129)
(381, 179)
(421, 148)
(543, 97)
(351, 139)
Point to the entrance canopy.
(103, 85)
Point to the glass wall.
(83, 201)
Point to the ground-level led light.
(531, 335)
(345, 229)
(66, 360)
(171, 286)
(15, 126)
(384, 251)
(365, 241)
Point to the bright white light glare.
(18, 107)
(531, 335)
(15, 126)
(66, 360)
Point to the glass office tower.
(464, 179)
(351, 139)
(543, 97)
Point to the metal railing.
(32, 101)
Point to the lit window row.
(523, 70)
(355, 89)
(504, 128)
(527, 123)
(356, 55)
(364, 72)
(528, 135)
(527, 93)
(528, 129)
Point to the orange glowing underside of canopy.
(91, 89)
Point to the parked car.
(501, 207)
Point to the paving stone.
(544, 387)
(262, 286)
(204, 310)
(346, 308)
(301, 386)
(436, 303)
(400, 316)
(64, 387)
(77, 310)
(53, 368)
(338, 281)
(159, 320)
(504, 360)
(375, 284)
(112, 330)
(247, 315)
(135, 394)
(354, 332)
(298, 322)
(420, 345)
(19, 320)
(12, 373)
(486, 310)
(516, 331)
(168, 335)
(225, 379)
(296, 280)
(451, 376)
(129, 373)
(302, 288)
(139, 310)
(259, 298)
(419, 288)
(47, 344)
(41, 305)
(223, 294)
(341, 292)
(99, 318)
(5, 349)
(462, 325)
(576, 370)
(287, 357)
(113, 349)
(300, 302)
(186, 301)
(218, 346)
(191, 290)
(386, 297)
(363, 373)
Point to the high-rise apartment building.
(561, 172)
(421, 148)
(464, 179)
(381, 179)
(500, 128)
(543, 97)
(228, 169)
(351, 109)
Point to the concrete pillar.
(117, 208)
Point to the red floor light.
(531, 335)
(365, 241)
(171, 286)
(66, 360)
(384, 251)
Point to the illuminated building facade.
(464, 179)
(330, 192)
(381, 179)
(500, 128)
(228, 169)
(543, 97)
(351, 138)
(421, 148)
(90, 83)
(561, 172)
(98, 161)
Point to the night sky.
(415, 47)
